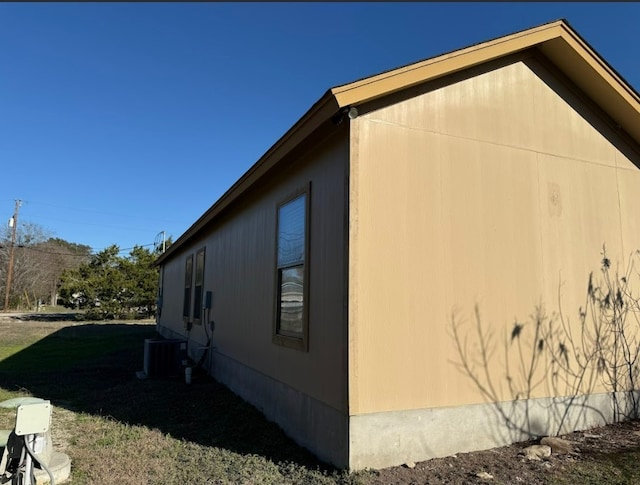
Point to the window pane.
(291, 232)
(291, 299)
(197, 297)
(188, 273)
(197, 302)
(187, 302)
(200, 267)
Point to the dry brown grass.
(120, 430)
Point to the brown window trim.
(279, 337)
(198, 296)
(188, 289)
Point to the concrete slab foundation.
(311, 423)
(382, 440)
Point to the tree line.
(111, 286)
(38, 262)
(52, 271)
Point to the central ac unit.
(164, 357)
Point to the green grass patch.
(9, 350)
(69, 347)
(119, 429)
(610, 468)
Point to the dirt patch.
(508, 465)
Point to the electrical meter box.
(33, 418)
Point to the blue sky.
(121, 120)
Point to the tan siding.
(580, 213)
(240, 271)
(173, 285)
(485, 192)
(629, 183)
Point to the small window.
(197, 296)
(188, 276)
(291, 320)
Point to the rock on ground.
(537, 452)
(558, 445)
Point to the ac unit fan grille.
(164, 357)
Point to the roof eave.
(556, 40)
(321, 111)
(392, 81)
(596, 78)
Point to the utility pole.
(13, 224)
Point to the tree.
(139, 270)
(51, 258)
(39, 260)
(110, 286)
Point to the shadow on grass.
(48, 317)
(91, 368)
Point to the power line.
(33, 248)
(93, 251)
(126, 249)
(48, 219)
(79, 209)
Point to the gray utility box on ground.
(164, 357)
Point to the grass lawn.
(118, 429)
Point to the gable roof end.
(557, 41)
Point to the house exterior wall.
(496, 191)
(303, 391)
